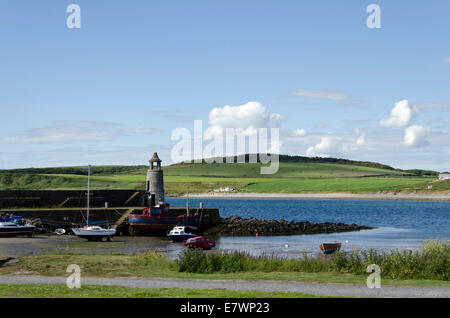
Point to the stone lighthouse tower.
(155, 180)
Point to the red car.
(201, 242)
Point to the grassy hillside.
(295, 175)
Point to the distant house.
(224, 189)
(444, 176)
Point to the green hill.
(296, 174)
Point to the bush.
(429, 262)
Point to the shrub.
(429, 262)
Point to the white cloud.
(401, 115)
(328, 146)
(361, 141)
(320, 94)
(299, 132)
(249, 117)
(415, 136)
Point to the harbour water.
(400, 225)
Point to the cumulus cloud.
(327, 147)
(415, 136)
(401, 115)
(320, 94)
(336, 145)
(249, 117)
(361, 140)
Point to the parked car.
(200, 242)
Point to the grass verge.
(90, 291)
(154, 264)
(430, 262)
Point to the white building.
(224, 189)
(444, 176)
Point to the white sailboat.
(92, 233)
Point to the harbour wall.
(69, 198)
(49, 219)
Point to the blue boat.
(178, 234)
(12, 227)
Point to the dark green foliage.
(97, 170)
(24, 181)
(288, 158)
(424, 173)
(430, 262)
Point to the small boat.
(60, 231)
(178, 234)
(13, 229)
(92, 233)
(200, 242)
(329, 248)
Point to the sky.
(114, 90)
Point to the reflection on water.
(400, 225)
(280, 246)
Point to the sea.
(399, 224)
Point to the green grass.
(292, 177)
(286, 170)
(89, 291)
(430, 262)
(349, 185)
(154, 264)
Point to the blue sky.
(112, 91)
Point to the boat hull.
(180, 238)
(330, 248)
(94, 235)
(19, 231)
(147, 223)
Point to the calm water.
(400, 224)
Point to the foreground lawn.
(155, 265)
(89, 291)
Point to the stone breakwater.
(237, 226)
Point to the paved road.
(299, 287)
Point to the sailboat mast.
(88, 194)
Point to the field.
(87, 291)
(292, 177)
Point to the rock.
(235, 225)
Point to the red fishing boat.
(159, 219)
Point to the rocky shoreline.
(237, 226)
